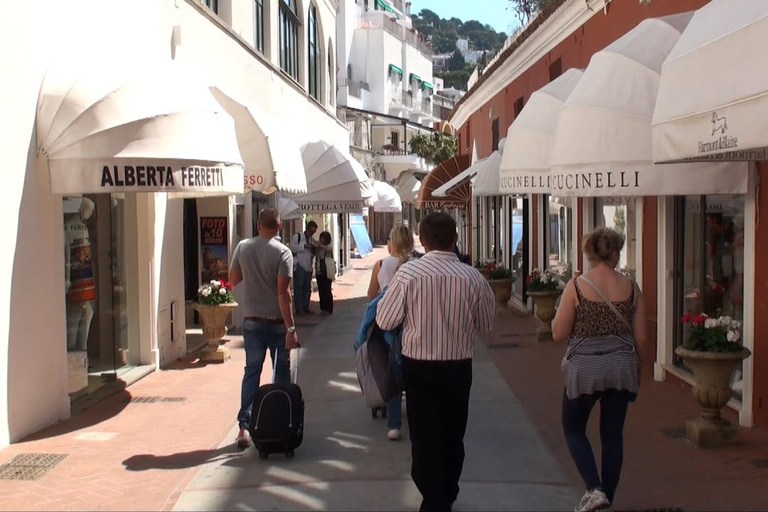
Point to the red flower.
(686, 318)
(699, 319)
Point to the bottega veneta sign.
(159, 176)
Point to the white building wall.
(33, 371)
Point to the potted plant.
(500, 278)
(215, 303)
(712, 350)
(544, 288)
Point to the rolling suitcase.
(277, 417)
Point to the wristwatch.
(291, 330)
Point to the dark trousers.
(325, 293)
(437, 405)
(613, 411)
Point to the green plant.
(708, 334)
(435, 147)
(215, 292)
(547, 281)
(493, 270)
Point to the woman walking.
(400, 246)
(324, 281)
(602, 317)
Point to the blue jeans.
(395, 412)
(302, 289)
(258, 337)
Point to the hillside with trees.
(443, 33)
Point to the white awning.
(287, 208)
(271, 157)
(525, 163)
(124, 126)
(488, 180)
(713, 94)
(336, 182)
(407, 187)
(387, 198)
(603, 146)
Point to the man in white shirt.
(441, 303)
(303, 247)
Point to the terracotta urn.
(214, 319)
(712, 373)
(502, 291)
(544, 309)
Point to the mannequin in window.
(79, 278)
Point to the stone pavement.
(166, 442)
(662, 470)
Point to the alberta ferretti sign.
(68, 177)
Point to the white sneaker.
(593, 500)
(394, 434)
(243, 439)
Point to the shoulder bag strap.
(607, 301)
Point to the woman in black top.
(324, 248)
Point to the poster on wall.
(214, 248)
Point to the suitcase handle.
(295, 376)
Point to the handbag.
(330, 267)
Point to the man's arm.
(391, 310)
(486, 308)
(235, 274)
(296, 243)
(284, 299)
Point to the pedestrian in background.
(324, 281)
(400, 247)
(602, 317)
(265, 267)
(303, 248)
(441, 303)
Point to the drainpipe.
(405, 135)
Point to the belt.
(264, 320)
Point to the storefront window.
(620, 214)
(95, 290)
(709, 256)
(518, 246)
(559, 234)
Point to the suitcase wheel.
(289, 454)
(263, 455)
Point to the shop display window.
(709, 262)
(559, 235)
(620, 214)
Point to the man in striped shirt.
(440, 302)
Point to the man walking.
(303, 247)
(265, 267)
(440, 302)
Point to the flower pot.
(712, 373)
(544, 309)
(214, 319)
(502, 291)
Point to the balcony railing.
(407, 99)
(354, 87)
(419, 42)
(442, 101)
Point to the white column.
(665, 256)
(748, 328)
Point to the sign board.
(214, 235)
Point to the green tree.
(457, 62)
(435, 147)
(620, 221)
(525, 9)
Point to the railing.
(419, 42)
(426, 106)
(407, 99)
(442, 101)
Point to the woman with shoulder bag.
(323, 274)
(602, 317)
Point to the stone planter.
(502, 291)
(712, 373)
(544, 309)
(214, 319)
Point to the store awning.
(271, 157)
(713, 93)
(413, 77)
(427, 85)
(440, 175)
(135, 126)
(287, 208)
(387, 198)
(396, 69)
(407, 187)
(384, 5)
(463, 177)
(336, 182)
(487, 182)
(602, 145)
(525, 163)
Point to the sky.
(495, 13)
